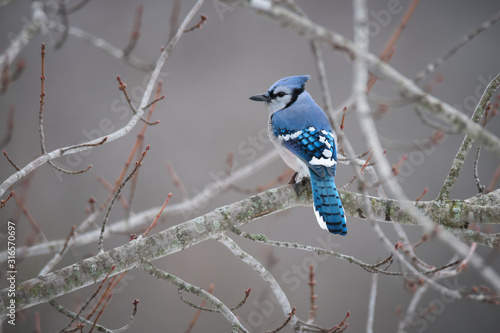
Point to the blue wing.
(315, 147)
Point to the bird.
(302, 133)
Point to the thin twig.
(421, 195)
(117, 193)
(174, 18)
(40, 120)
(9, 128)
(425, 120)
(71, 234)
(42, 102)
(112, 190)
(177, 181)
(371, 304)
(290, 315)
(111, 286)
(10, 161)
(94, 295)
(243, 301)
(5, 78)
(198, 25)
(313, 307)
(138, 147)
(323, 80)
(181, 284)
(34, 224)
(197, 314)
(4, 202)
(493, 181)
(84, 145)
(74, 316)
(464, 149)
(430, 68)
(193, 305)
(103, 45)
(38, 328)
(123, 87)
(101, 312)
(63, 13)
(136, 31)
(30, 29)
(480, 187)
(387, 53)
(278, 292)
(157, 216)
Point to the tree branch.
(119, 133)
(174, 239)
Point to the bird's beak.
(261, 98)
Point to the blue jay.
(301, 132)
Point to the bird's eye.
(280, 94)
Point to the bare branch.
(9, 128)
(264, 274)
(183, 285)
(63, 13)
(119, 133)
(117, 193)
(371, 304)
(430, 68)
(468, 140)
(136, 31)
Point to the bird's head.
(283, 93)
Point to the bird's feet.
(295, 180)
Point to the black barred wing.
(313, 146)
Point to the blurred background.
(206, 114)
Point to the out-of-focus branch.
(386, 54)
(371, 304)
(5, 2)
(63, 13)
(468, 141)
(384, 169)
(264, 274)
(102, 45)
(183, 285)
(9, 128)
(30, 29)
(144, 218)
(430, 68)
(136, 31)
(119, 133)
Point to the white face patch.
(279, 103)
(287, 137)
(326, 162)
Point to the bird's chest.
(290, 158)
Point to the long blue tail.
(327, 205)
